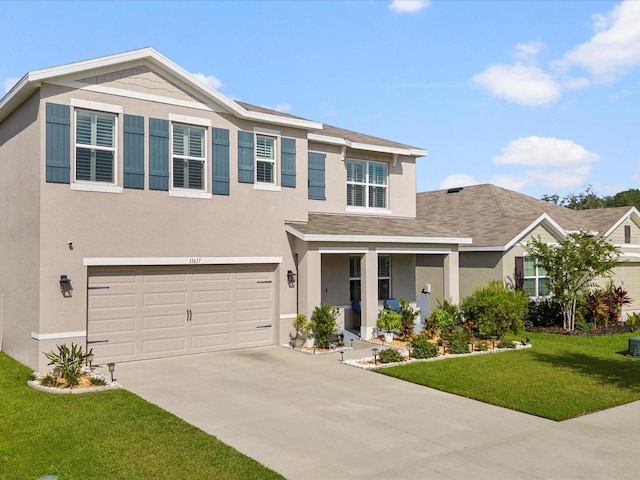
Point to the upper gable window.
(189, 157)
(95, 147)
(366, 184)
(265, 159)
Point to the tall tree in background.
(572, 266)
(589, 199)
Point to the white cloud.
(545, 152)
(9, 82)
(524, 84)
(282, 107)
(210, 80)
(575, 83)
(408, 6)
(458, 180)
(614, 48)
(526, 51)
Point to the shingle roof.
(494, 216)
(361, 225)
(331, 131)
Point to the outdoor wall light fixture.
(112, 367)
(375, 351)
(291, 278)
(65, 286)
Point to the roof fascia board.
(495, 248)
(374, 238)
(542, 219)
(150, 56)
(411, 152)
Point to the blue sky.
(536, 96)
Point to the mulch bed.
(600, 330)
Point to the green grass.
(106, 435)
(561, 377)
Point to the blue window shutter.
(288, 160)
(158, 154)
(220, 161)
(245, 157)
(316, 176)
(133, 152)
(58, 138)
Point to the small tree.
(323, 324)
(495, 309)
(572, 266)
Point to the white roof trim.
(374, 238)
(35, 78)
(544, 218)
(632, 211)
(496, 248)
(411, 152)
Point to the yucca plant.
(70, 362)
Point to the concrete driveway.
(313, 418)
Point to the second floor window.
(265, 159)
(95, 146)
(189, 154)
(366, 184)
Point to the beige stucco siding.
(20, 224)
(430, 270)
(401, 181)
(477, 269)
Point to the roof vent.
(455, 190)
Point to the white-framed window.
(355, 277)
(95, 147)
(366, 184)
(536, 281)
(189, 157)
(266, 155)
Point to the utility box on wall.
(634, 347)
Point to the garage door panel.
(150, 312)
(98, 302)
(212, 297)
(163, 322)
(210, 341)
(113, 325)
(166, 346)
(211, 318)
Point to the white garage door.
(137, 313)
(628, 275)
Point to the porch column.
(452, 277)
(369, 293)
(309, 281)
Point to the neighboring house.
(502, 221)
(144, 214)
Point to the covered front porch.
(342, 267)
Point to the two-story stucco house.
(145, 214)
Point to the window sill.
(96, 187)
(190, 194)
(372, 211)
(263, 186)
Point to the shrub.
(583, 326)
(422, 347)
(458, 343)
(98, 381)
(390, 355)
(604, 305)
(408, 314)
(633, 319)
(438, 322)
(47, 381)
(482, 345)
(544, 312)
(506, 344)
(495, 310)
(70, 362)
(301, 326)
(389, 321)
(323, 324)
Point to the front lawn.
(561, 377)
(107, 435)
